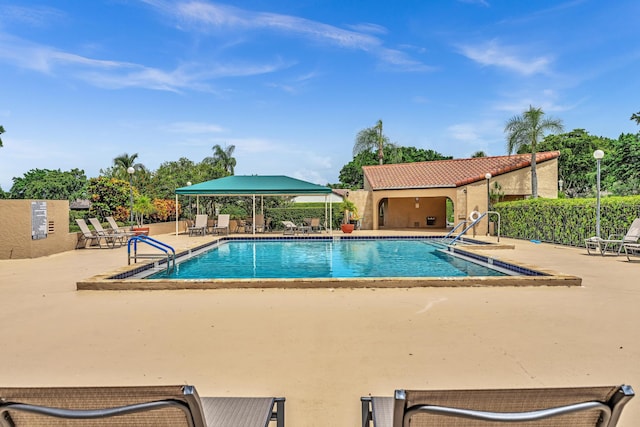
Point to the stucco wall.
(362, 200)
(400, 210)
(15, 230)
(402, 213)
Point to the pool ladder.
(468, 227)
(169, 252)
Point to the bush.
(566, 221)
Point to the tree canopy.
(621, 165)
(50, 184)
(634, 116)
(576, 163)
(1, 132)
(351, 175)
(176, 174)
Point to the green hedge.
(297, 214)
(566, 221)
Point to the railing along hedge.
(566, 221)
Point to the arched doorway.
(383, 207)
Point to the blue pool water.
(344, 258)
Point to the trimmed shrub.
(566, 221)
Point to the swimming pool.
(136, 276)
(326, 258)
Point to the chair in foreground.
(542, 407)
(90, 236)
(614, 241)
(222, 224)
(160, 406)
(200, 226)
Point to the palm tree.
(1, 132)
(370, 139)
(527, 130)
(634, 116)
(478, 154)
(124, 162)
(223, 157)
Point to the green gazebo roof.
(237, 185)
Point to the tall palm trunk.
(534, 175)
(380, 143)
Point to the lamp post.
(560, 184)
(488, 178)
(189, 185)
(131, 171)
(598, 155)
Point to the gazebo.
(254, 185)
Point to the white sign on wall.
(38, 220)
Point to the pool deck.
(323, 348)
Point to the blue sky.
(291, 82)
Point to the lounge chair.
(116, 228)
(260, 224)
(631, 249)
(315, 225)
(94, 237)
(615, 241)
(200, 227)
(289, 227)
(578, 406)
(160, 406)
(222, 224)
(241, 226)
(120, 238)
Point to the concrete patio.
(322, 348)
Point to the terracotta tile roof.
(447, 173)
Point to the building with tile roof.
(414, 195)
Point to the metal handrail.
(473, 223)
(168, 250)
(464, 221)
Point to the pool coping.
(123, 278)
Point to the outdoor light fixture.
(131, 171)
(488, 178)
(417, 202)
(560, 184)
(598, 155)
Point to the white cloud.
(39, 16)
(492, 53)
(117, 74)
(547, 99)
(212, 17)
(369, 28)
(194, 127)
(479, 2)
(485, 135)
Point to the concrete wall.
(15, 230)
(166, 227)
